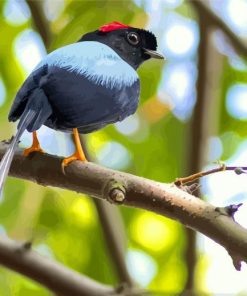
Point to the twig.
(164, 199)
(52, 275)
(192, 178)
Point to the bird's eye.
(133, 38)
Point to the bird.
(82, 87)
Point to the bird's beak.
(153, 54)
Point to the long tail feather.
(9, 154)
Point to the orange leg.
(35, 146)
(79, 154)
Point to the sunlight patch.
(153, 232)
(141, 267)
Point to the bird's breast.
(89, 84)
(79, 101)
(96, 61)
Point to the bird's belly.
(79, 102)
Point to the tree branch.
(116, 244)
(59, 279)
(129, 190)
(238, 170)
(197, 140)
(40, 21)
(114, 233)
(207, 105)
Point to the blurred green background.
(155, 143)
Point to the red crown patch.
(112, 26)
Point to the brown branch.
(112, 226)
(196, 147)
(129, 190)
(192, 178)
(215, 20)
(59, 279)
(110, 221)
(40, 21)
(207, 106)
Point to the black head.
(133, 45)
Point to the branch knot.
(115, 192)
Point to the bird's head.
(133, 45)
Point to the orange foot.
(32, 149)
(78, 155)
(35, 146)
(68, 160)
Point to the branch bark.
(59, 279)
(129, 190)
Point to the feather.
(9, 154)
(36, 112)
(112, 27)
(94, 60)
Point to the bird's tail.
(36, 112)
(5, 163)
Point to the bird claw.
(32, 149)
(66, 161)
(35, 147)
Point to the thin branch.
(116, 244)
(122, 188)
(59, 279)
(215, 20)
(40, 21)
(207, 106)
(197, 146)
(192, 178)
(115, 237)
